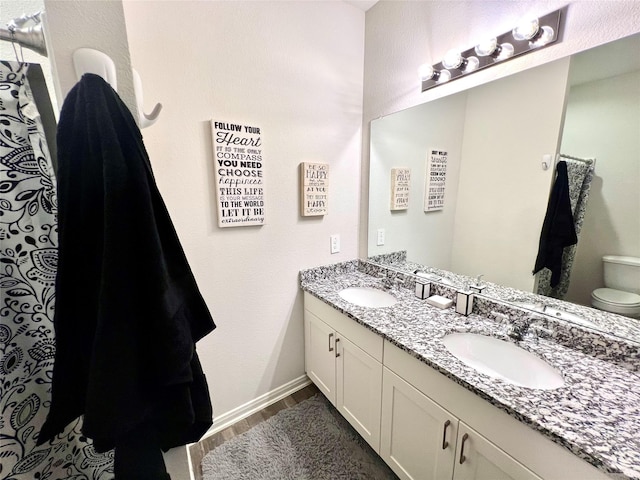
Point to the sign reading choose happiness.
(237, 152)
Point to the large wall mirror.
(496, 136)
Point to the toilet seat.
(616, 301)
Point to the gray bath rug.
(309, 441)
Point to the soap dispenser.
(464, 301)
(423, 289)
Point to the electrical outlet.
(335, 243)
(380, 237)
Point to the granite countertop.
(596, 414)
(624, 327)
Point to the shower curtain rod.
(31, 37)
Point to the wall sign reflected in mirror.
(435, 180)
(400, 183)
(497, 134)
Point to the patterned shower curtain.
(580, 172)
(28, 261)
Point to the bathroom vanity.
(431, 416)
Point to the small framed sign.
(400, 181)
(435, 180)
(237, 153)
(314, 188)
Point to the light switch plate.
(380, 237)
(335, 243)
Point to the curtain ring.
(12, 29)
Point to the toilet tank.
(622, 273)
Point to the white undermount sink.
(505, 360)
(368, 297)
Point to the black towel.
(128, 310)
(558, 229)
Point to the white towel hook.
(145, 120)
(89, 60)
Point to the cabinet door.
(418, 439)
(359, 389)
(479, 459)
(320, 355)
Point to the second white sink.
(368, 297)
(505, 360)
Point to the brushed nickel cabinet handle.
(445, 444)
(462, 457)
(330, 337)
(336, 344)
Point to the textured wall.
(73, 24)
(294, 69)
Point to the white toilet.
(621, 294)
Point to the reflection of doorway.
(603, 120)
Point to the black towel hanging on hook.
(558, 229)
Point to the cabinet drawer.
(361, 336)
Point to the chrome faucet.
(389, 282)
(478, 286)
(519, 328)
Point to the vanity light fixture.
(427, 72)
(524, 38)
(533, 32)
(491, 48)
(453, 60)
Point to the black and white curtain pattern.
(28, 261)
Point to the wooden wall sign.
(237, 153)
(400, 181)
(314, 188)
(435, 180)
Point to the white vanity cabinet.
(420, 440)
(497, 446)
(344, 360)
(422, 423)
(418, 437)
(479, 459)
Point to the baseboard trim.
(243, 411)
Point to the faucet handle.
(540, 330)
(501, 317)
(477, 287)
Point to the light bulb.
(452, 59)
(426, 72)
(444, 76)
(472, 64)
(487, 47)
(505, 51)
(526, 30)
(545, 36)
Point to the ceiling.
(363, 5)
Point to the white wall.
(403, 140)
(73, 24)
(504, 191)
(401, 35)
(295, 70)
(603, 121)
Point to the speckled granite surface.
(610, 323)
(596, 415)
